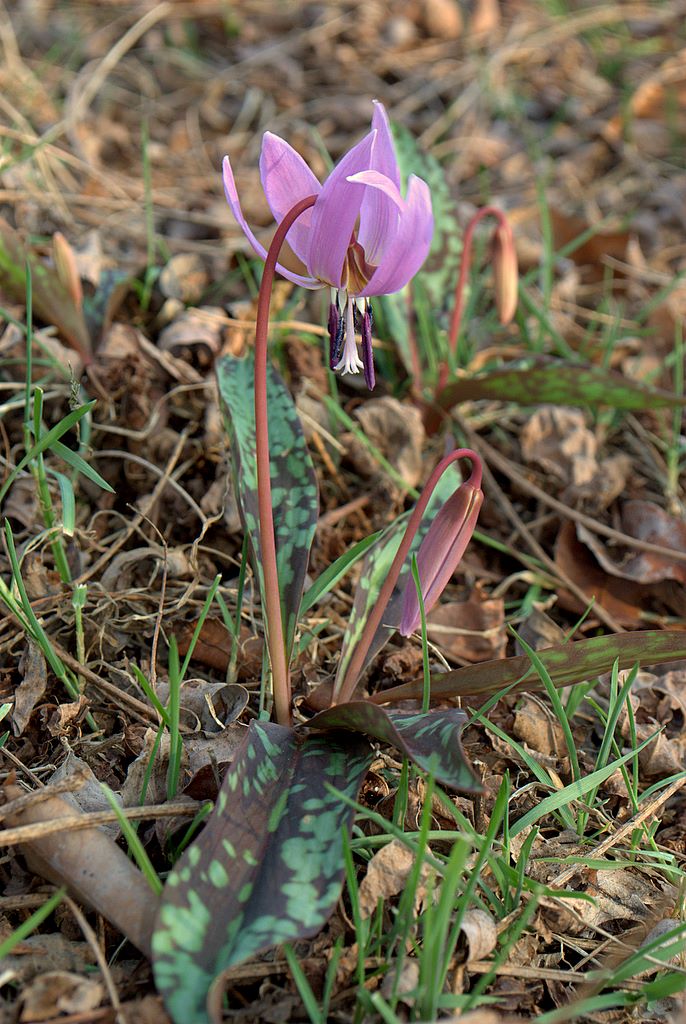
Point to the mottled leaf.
(431, 740)
(567, 664)
(557, 383)
(268, 866)
(375, 569)
(294, 484)
(52, 301)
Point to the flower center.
(357, 271)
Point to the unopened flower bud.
(505, 272)
(442, 549)
(67, 270)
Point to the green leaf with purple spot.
(567, 664)
(268, 866)
(557, 383)
(294, 483)
(431, 740)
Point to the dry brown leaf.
(57, 992)
(558, 440)
(33, 671)
(646, 521)
(195, 334)
(442, 18)
(387, 873)
(590, 255)
(185, 278)
(473, 630)
(88, 795)
(623, 599)
(94, 869)
(213, 648)
(539, 729)
(480, 933)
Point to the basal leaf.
(557, 383)
(294, 484)
(267, 867)
(567, 664)
(431, 740)
(375, 569)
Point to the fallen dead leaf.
(590, 255)
(57, 992)
(645, 521)
(559, 440)
(480, 933)
(95, 870)
(539, 729)
(34, 674)
(624, 600)
(387, 873)
(184, 277)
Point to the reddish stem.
(460, 287)
(272, 599)
(349, 682)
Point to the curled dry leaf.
(472, 630)
(87, 794)
(558, 440)
(538, 728)
(33, 671)
(624, 600)
(480, 933)
(57, 992)
(94, 869)
(213, 648)
(196, 331)
(645, 521)
(387, 873)
(184, 277)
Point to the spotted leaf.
(375, 568)
(293, 479)
(268, 866)
(431, 740)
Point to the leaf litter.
(601, 94)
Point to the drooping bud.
(367, 353)
(505, 271)
(443, 547)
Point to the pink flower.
(361, 238)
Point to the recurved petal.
(441, 551)
(286, 179)
(383, 155)
(234, 203)
(335, 213)
(380, 213)
(404, 254)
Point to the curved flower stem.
(465, 264)
(272, 600)
(349, 681)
